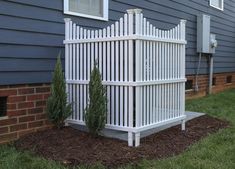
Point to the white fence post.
(67, 31)
(183, 33)
(138, 56)
(130, 55)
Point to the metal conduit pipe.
(211, 74)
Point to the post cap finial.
(183, 21)
(137, 11)
(67, 19)
(130, 11)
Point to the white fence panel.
(142, 67)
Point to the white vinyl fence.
(142, 67)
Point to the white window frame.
(105, 11)
(222, 8)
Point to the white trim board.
(222, 5)
(105, 11)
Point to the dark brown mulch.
(73, 147)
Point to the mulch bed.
(72, 147)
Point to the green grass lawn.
(214, 152)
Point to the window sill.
(221, 9)
(86, 16)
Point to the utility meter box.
(203, 34)
(206, 42)
(213, 43)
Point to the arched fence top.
(132, 26)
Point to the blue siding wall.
(32, 33)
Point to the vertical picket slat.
(92, 50)
(77, 75)
(179, 71)
(84, 73)
(73, 71)
(70, 63)
(161, 54)
(81, 75)
(177, 54)
(117, 64)
(154, 65)
(88, 64)
(144, 72)
(121, 73)
(141, 71)
(157, 64)
(108, 77)
(168, 77)
(100, 52)
(151, 76)
(104, 70)
(112, 78)
(88, 55)
(125, 72)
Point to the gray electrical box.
(206, 42)
(203, 33)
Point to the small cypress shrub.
(57, 107)
(95, 116)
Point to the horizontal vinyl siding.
(32, 33)
(166, 13)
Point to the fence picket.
(121, 73)
(125, 72)
(84, 74)
(112, 77)
(108, 78)
(70, 63)
(117, 105)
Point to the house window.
(229, 79)
(3, 106)
(218, 4)
(189, 85)
(95, 9)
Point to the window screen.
(88, 7)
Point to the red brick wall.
(26, 105)
(203, 83)
(25, 110)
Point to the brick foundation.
(203, 84)
(26, 105)
(25, 110)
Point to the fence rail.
(142, 67)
